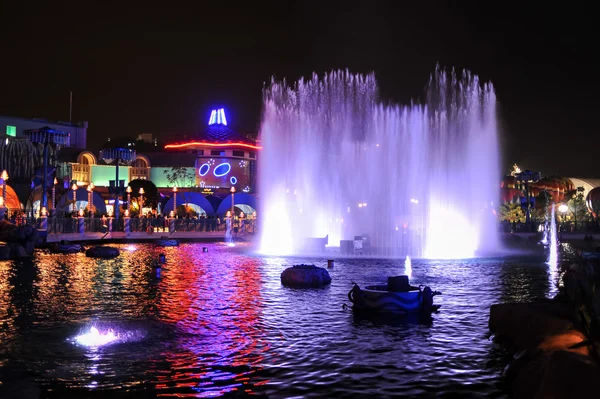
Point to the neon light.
(197, 143)
(217, 117)
(233, 180)
(224, 165)
(213, 117)
(200, 170)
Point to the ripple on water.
(221, 322)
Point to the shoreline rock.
(554, 358)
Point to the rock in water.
(305, 276)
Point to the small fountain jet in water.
(95, 338)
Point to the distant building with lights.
(213, 162)
(16, 127)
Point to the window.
(252, 154)
(11, 131)
(238, 153)
(218, 153)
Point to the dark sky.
(161, 70)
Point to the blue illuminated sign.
(204, 169)
(222, 169)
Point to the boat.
(395, 296)
(66, 247)
(167, 242)
(102, 251)
(591, 255)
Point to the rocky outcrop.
(553, 356)
(17, 241)
(305, 276)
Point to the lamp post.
(4, 177)
(142, 192)
(128, 190)
(74, 188)
(118, 156)
(53, 212)
(90, 190)
(232, 202)
(526, 178)
(175, 200)
(563, 209)
(47, 136)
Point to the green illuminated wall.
(101, 174)
(159, 178)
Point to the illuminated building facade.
(209, 163)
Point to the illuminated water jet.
(95, 338)
(330, 147)
(408, 267)
(553, 256)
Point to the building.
(208, 165)
(13, 126)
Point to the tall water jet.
(553, 256)
(408, 266)
(418, 180)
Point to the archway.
(12, 200)
(190, 198)
(242, 202)
(65, 203)
(87, 158)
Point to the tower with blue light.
(217, 117)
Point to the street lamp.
(175, 199)
(118, 156)
(141, 198)
(563, 209)
(128, 197)
(74, 188)
(54, 195)
(4, 177)
(90, 190)
(232, 197)
(526, 178)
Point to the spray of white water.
(408, 267)
(553, 256)
(418, 180)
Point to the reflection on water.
(220, 322)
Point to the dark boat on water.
(396, 296)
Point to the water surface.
(221, 323)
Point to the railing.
(69, 225)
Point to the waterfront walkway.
(142, 236)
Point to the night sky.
(161, 71)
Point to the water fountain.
(553, 256)
(408, 267)
(418, 180)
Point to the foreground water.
(220, 323)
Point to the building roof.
(217, 133)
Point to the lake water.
(220, 323)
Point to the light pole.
(142, 192)
(118, 156)
(232, 190)
(563, 209)
(128, 190)
(4, 177)
(54, 196)
(74, 188)
(90, 190)
(175, 200)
